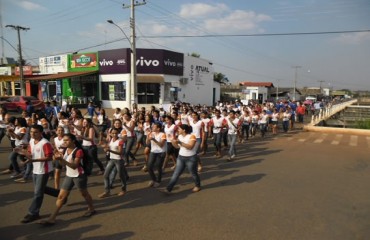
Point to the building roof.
(60, 75)
(256, 84)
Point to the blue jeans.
(245, 130)
(263, 128)
(39, 181)
(217, 141)
(129, 144)
(119, 166)
(232, 140)
(285, 126)
(156, 162)
(182, 162)
(13, 156)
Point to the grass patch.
(362, 124)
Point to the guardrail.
(330, 111)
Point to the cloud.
(30, 6)
(353, 38)
(236, 21)
(201, 10)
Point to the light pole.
(277, 89)
(18, 28)
(295, 80)
(131, 86)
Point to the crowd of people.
(47, 143)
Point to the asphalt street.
(298, 185)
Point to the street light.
(295, 80)
(132, 82)
(18, 28)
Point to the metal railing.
(326, 113)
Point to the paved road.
(298, 185)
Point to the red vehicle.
(18, 103)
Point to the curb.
(364, 132)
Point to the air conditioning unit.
(183, 81)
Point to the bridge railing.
(330, 111)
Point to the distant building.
(259, 91)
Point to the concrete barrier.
(353, 131)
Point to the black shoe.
(30, 218)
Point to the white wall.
(199, 87)
(114, 78)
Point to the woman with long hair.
(72, 158)
(87, 136)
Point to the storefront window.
(148, 93)
(17, 88)
(115, 91)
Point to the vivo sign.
(150, 61)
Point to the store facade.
(162, 77)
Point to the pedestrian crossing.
(327, 138)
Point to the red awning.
(59, 76)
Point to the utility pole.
(295, 80)
(18, 28)
(277, 89)
(132, 86)
(321, 81)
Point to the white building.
(162, 77)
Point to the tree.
(197, 55)
(220, 77)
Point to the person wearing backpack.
(73, 159)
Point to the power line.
(257, 34)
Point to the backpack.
(87, 163)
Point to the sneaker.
(30, 218)
(16, 175)
(150, 184)
(200, 168)
(173, 167)
(144, 169)
(232, 156)
(156, 184)
(121, 193)
(7, 171)
(20, 180)
(104, 195)
(196, 189)
(100, 173)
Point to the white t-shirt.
(159, 137)
(187, 139)
(113, 145)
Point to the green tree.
(197, 55)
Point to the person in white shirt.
(115, 148)
(233, 125)
(157, 141)
(39, 153)
(72, 158)
(187, 157)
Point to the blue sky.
(336, 60)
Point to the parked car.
(3, 99)
(18, 103)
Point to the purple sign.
(159, 61)
(114, 61)
(148, 61)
